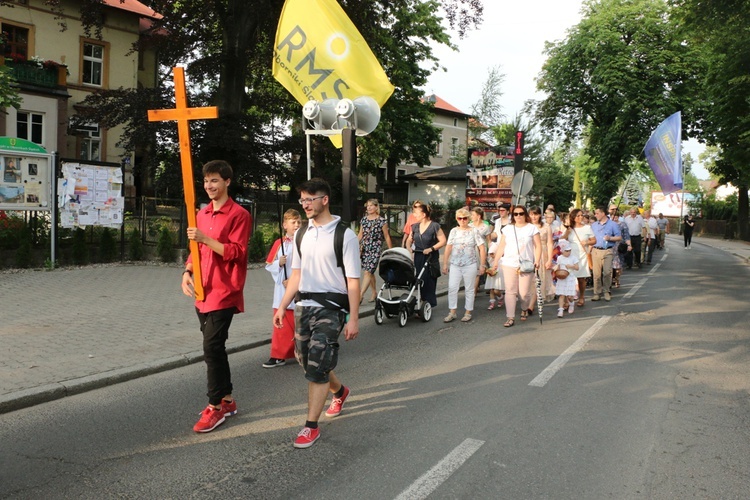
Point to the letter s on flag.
(320, 54)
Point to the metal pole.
(309, 157)
(53, 209)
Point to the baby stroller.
(398, 272)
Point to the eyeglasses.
(462, 218)
(517, 214)
(306, 201)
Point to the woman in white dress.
(582, 239)
(519, 241)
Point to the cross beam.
(182, 114)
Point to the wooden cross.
(182, 114)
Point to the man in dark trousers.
(222, 234)
(326, 293)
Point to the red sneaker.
(306, 437)
(337, 404)
(210, 419)
(229, 407)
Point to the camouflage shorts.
(316, 347)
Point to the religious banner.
(663, 152)
(320, 54)
(488, 180)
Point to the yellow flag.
(319, 54)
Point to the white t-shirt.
(525, 244)
(652, 226)
(317, 265)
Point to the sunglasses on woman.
(517, 214)
(462, 218)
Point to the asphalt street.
(642, 397)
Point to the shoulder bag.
(525, 265)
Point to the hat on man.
(500, 204)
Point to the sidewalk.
(73, 330)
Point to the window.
(91, 143)
(93, 64)
(17, 45)
(455, 122)
(400, 172)
(439, 145)
(30, 126)
(454, 146)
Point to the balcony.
(30, 73)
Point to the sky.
(512, 36)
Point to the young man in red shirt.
(222, 234)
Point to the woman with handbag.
(425, 240)
(520, 253)
(582, 238)
(464, 243)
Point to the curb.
(43, 394)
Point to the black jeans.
(634, 257)
(650, 247)
(215, 328)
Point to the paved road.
(653, 404)
(72, 330)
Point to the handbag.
(561, 274)
(622, 248)
(433, 267)
(525, 265)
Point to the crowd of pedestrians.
(317, 265)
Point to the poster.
(672, 204)
(90, 195)
(488, 181)
(24, 182)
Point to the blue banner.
(663, 152)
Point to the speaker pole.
(349, 175)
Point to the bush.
(165, 246)
(257, 249)
(11, 227)
(135, 245)
(23, 253)
(80, 251)
(107, 245)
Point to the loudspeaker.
(321, 115)
(363, 113)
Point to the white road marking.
(429, 482)
(653, 269)
(635, 288)
(563, 358)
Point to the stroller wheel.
(403, 316)
(379, 314)
(426, 311)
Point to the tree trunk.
(743, 212)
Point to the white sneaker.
(571, 307)
(560, 312)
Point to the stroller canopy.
(397, 267)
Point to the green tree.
(487, 110)
(720, 28)
(617, 74)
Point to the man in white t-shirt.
(326, 293)
(635, 226)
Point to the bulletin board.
(90, 195)
(25, 175)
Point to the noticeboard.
(25, 174)
(90, 195)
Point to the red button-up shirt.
(223, 278)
